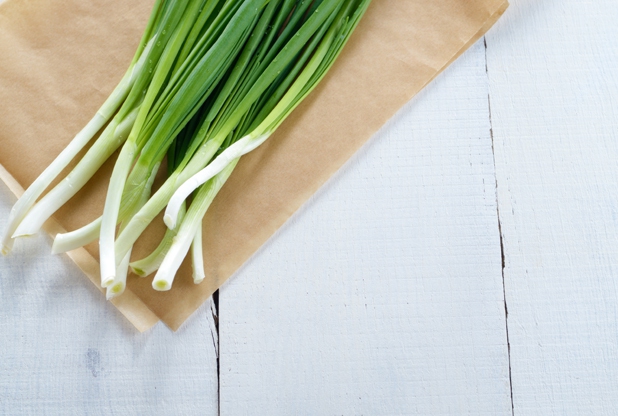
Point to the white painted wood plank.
(65, 351)
(383, 295)
(553, 83)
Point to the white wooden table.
(495, 189)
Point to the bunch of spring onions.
(210, 81)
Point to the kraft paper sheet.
(59, 60)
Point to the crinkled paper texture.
(61, 58)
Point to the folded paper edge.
(129, 304)
(488, 24)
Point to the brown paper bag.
(61, 58)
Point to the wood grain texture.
(383, 295)
(66, 351)
(553, 82)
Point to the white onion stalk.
(111, 209)
(112, 137)
(112, 212)
(117, 287)
(197, 256)
(64, 242)
(119, 282)
(151, 263)
(236, 150)
(193, 219)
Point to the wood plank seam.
(214, 331)
(502, 254)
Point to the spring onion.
(210, 82)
